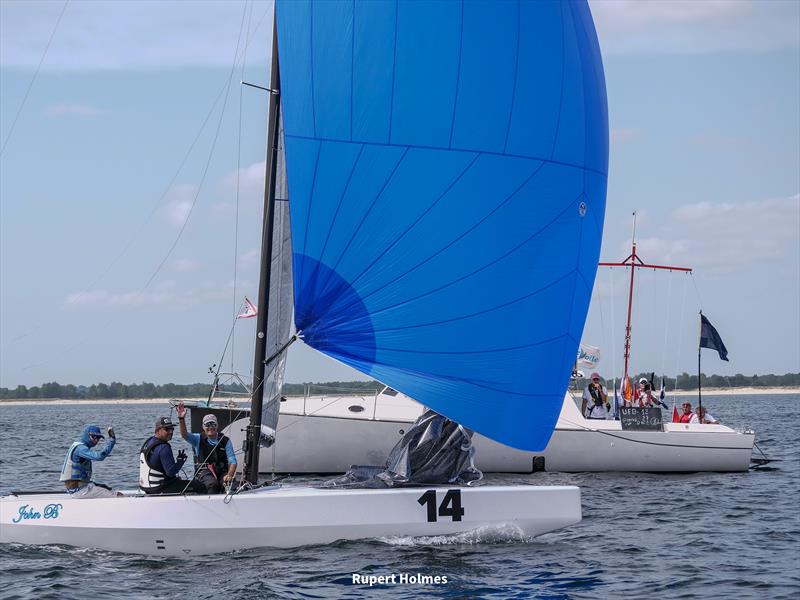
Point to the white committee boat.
(421, 229)
(329, 433)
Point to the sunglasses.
(95, 436)
(210, 425)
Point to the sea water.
(703, 535)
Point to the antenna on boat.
(252, 447)
(633, 261)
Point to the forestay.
(447, 169)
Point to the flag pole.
(699, 393)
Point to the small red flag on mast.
(248, 310)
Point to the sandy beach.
(745, 391)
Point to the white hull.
(321, 435)
(277, 516)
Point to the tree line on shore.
(117, 390)
(684, 381)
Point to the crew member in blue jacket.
(214, 458)
(76, 472)
(158, 469)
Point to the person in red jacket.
(687, 416)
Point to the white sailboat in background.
(326, 433)
(438, 156)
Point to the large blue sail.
(447, 166)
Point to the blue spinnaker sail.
(447, 166)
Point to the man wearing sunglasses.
(76, 472)
(214, 458)
(158, 469)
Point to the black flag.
(709, 338)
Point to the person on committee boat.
(214, 458)
(76, 472)
(706, 417)
(646, 398)
(594, 404)
(158, 469)
(688, 416)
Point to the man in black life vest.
(214, 458)
(158, 469)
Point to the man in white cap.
(214, 458)
(595, 403)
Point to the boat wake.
(490, 534)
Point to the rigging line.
(228, 341)
(680, 339)
(202, 180)
(599, 297)
(613, 327)
(238, 173)
(668, 305)
(33, 79)
(153, 211)
(208, 160)
(155, 207)
(696, 291)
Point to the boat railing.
(228, 387)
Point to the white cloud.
(185, 265)
(251, 257)
(81, 110)
(724, 237)
(104, 299)
(179, 204)
(684, 26)
(251, 180)
(127, 34)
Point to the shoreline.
(745, 391)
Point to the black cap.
(164, 422)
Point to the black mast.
(252, 447)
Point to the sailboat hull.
(323, 434)
(281, 516)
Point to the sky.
(132, 167)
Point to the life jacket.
(686, 418)
(601, 410)
(213, 455)
(76, 467)
(151, 478)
